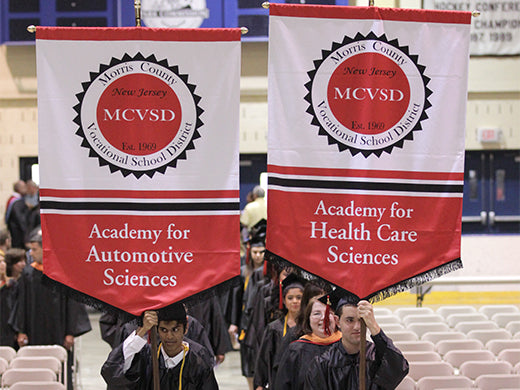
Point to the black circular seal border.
(114, 62)
(360, 37)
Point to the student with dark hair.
(266, 362)
(129, 365)
(338, 368)
(11, 267)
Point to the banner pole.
(155, 360)
(137, 6)
(363, 355)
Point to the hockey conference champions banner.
(366, 143)
(138, 153)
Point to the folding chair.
(445, 311)
(510, 355)
(502, 319)
(468, 326)
(420, 370)
(485, 335)
(49, 362)
(405, 311)
(3, 365)
(422, 318)
(402, 335)
(497, 346)
(457, 357)
(444, 346)
(474, 369)
(435, 337)
(8, 353)
(382, 311)
(513, 327)
(498, 381)
(13, 375)
(454, 319)
(56, 351)
(490, 310)
(383, 320)
(422, 356)
(39, 385)
(421, 328)
(444, 382)
(392, 327)
(415, 346)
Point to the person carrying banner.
(338, 368)
(129, 365)
(320, 334)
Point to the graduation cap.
(291, 281)
(334, 300)
(174, 312)
(257, 233)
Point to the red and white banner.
(366, 143)
(138, 153)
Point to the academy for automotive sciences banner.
(138, 153)
(366, 143)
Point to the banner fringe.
(124, 316)
(377, 296)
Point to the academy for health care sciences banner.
(366, 143)
(138, 153)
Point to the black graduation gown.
(114, 331)
(295, 361)
(45, 315)
(196, 374)
(209, 314)
(336, 369)
(243, 321)
(17, 223)
(7, 296)
(267, 360)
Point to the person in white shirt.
(129, 365)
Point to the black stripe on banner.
(127, 206)
(367, 186)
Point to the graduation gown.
(45, 315)
(295, 361)
(268, 354)
(336, 369)
(7, 297)
(209, 314)
(196, 374)
(250, 285)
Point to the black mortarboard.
(174, 312)
(292, 281)
(257, 233)
(338, 298)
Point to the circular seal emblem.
(367, 94)
(174, 13)
(138, 115)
